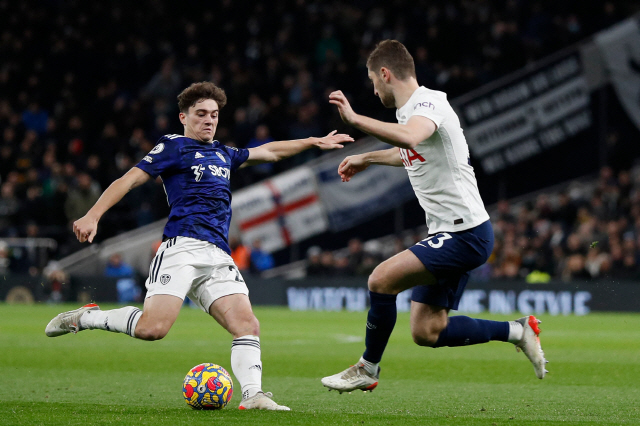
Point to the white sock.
(123, 320)
(516, 331)
(371, 367)
(246, 364)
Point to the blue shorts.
(449, 256)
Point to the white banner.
(280, 211)
(620, 47)
(374, 191)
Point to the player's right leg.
(160, 312)
(170, 276)
(401, 272)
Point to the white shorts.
(185, 266)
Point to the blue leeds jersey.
(196, 179)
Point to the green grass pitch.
(97, 377)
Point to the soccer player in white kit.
(194, 258)
(429, 143)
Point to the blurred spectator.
(355, 254)
(240, 254)
(126, 285)
(260, 260)
(35, 118)
(117, 268)
(57, 286)
(262, 136)
(327, 263)
(341, 265)
(81, 198)
(10, 206)
(314, 267)
(5, 260)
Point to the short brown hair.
(393, 55)
(198, 92)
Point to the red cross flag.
(280, 211)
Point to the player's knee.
(424, 338)
(427, 335)
(254, 326)
(152, 332)
(246, 326)
(378, 282)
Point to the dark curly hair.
(198, 92)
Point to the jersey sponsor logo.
(158, 149)
(198, 155)
(197, 170)
(165, 278)
(408, 156)
(220, 156)
(220, 171)
(148, 159)
(424, 105)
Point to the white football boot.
(530, 344)
(68, 322)
(262, 401)
(354, 377)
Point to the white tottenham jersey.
(439, 168)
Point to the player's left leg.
(234, 313)
(391, 277)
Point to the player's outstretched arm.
(405, 136)
(86, 227)
(357, 163)
(279, 150)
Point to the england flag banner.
(280, 211)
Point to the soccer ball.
(207, 387)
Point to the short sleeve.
(433, 109)
(236, 155)
(160, 159)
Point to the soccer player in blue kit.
(193, 259)
(429, 143)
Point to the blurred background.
(548, 94)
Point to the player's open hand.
(352, 165)
(333, 140)
(344, 108)
(85, 229)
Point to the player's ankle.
(515, 332)
(250, 392)
(370, 367)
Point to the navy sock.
(380, 322)
(462, 331)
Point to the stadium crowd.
(86, 88)
(589, 230)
